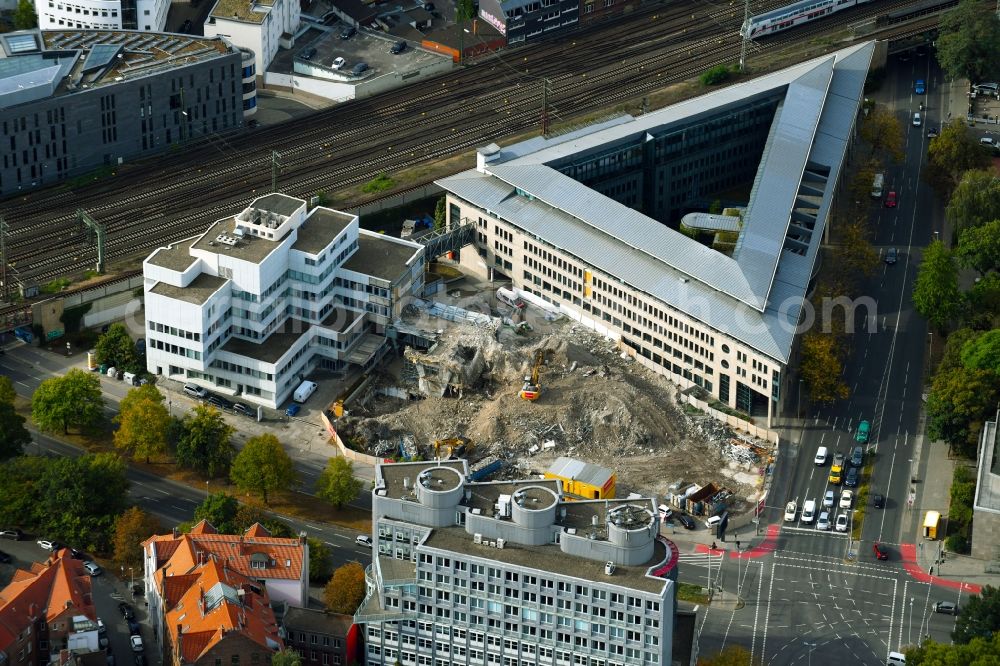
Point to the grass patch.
(89, 177)
(692, 593)
(56, 286)
(379, 183)
(861, 498)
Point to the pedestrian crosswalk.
(702, 559)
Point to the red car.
(890, 201)
(880, 553)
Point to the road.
(822, 592)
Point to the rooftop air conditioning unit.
(477, 538)
(570, 530)
(501, 543)
(477, 512)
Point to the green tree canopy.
(320, 561)
(220, 510)
(968, 45)
(143, 422)
(286, 657)
(984, 301)
(24, 15)
(337, 484)
(71, 400)
(7, 393)
(464, 10)
(975, 200)
(13, 435)
(980, 617)
(960, 401)
(979, 247)
(441, 213)
(205, 444)
(950, 155)
(935, 293)
(262, 466)
(116, 348)
(977, 652)
(983, 353)
(954, 344)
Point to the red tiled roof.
(203, 527)
(257, 530)
(184, 552)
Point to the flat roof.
(248, 248)
(199, 291)
(381, 257)
(397, 476)
(988, 486)
(176, 257)
(578, 470)
(271, 349)
(340, 318)
(552, 559)
(251, 11)
(319, 229)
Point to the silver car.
(824, 521)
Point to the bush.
(379, 183)
(957, 543)
(716, 75)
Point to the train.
(793, 15)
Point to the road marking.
(179, 508)
(312, 527)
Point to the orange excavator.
(532, 388)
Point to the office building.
(255, 303)
(509, 573)
(986, 508)
(259, 26)
(583, 222)
(144, 15)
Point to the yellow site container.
(582, 480)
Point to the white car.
(828, 499)
(363, 540)
(44, 544)
(92, 568)
(338, 63)
(846, 499)
(821, 454)
(917, 120)
(790, 509)
(824, 521)
(136, 642)
(841, 525)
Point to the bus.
(931, 521)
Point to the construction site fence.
(734, 422)
(344, 451)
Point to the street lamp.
(811, 646)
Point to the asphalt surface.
(821, 591)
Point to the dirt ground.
(596, 405)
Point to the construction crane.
(532, 389)
(453, 446)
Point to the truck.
(877, 185)
(304, 390)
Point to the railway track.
(177, 194)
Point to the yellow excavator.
(453, 446)
(532, 388)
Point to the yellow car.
(835, 474)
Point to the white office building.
(146, 15)
(259, 300)
(508, 573)
(261, 26)
(580, 221)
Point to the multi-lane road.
(822, 592)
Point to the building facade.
(509, 573)
(260, 26)
(582, 223)
(322, 638)
(144, 15)
(986, 508)
(75, 101)
(254, 304)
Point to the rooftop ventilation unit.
(477, 538)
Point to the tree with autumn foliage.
(733, 655)
(821, 367)
(950, 155)
(131, 529)
(142, 421)
(346, 589)
(882, 131)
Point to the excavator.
(532, 389)
(453, 446)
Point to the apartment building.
(584, 222)
(259, 26)
(145, 15)
(322, 638)
(264, 297)
(509, 573)
(72, 101)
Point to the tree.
(441, 213)
(465, 10)
(131, 529)
(73, 399)
(143, 422)
(715, 75)
(855, 256)
(983, 353)
(882, 131)
(977, 652)
(968, 46)
(320, 561)
(220, 510)
(983, 301)
(24, 15)
(976, 199)
(205, 444)
(734, 655)
(248, 514)
(953, 346)
(935, 292)
(950, 155)
(13, 435)
(116, 348)
(7, 393)
(960, 401)
(821, 367)
(337, 484)
(286, 657)
(979, 247)
(962, 494)
(980, 617)
(861, 184)
(346, 589)
(262, 466)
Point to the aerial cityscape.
(499, 333)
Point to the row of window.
(178, 332)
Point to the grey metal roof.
(756, 296)
(577, 470)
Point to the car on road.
(841, 524)
(879, 552)
(790, 510)
(809, 511)
(824, 521)
(846, 499)
(136, 642)
(686, 521)
(4, 558)
(92, 568)
(133, 628)
(864, 430)
(126, 610)
(946, 607)
(917, 120)
(828, 499)
(890, 199)
(398, 48)
(293, 409)
(348, 32)
(240, 408)
(857, 456)
(838, 459)
(891, 256)
(987, 141)
(12, 533)
(851, 480)
(338, 63)
(836, 474)
(45, 544)
(363, 540)
(919, 87)
(878, 501)
(140, 660)
(821, 454)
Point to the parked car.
(666, 513)
(890, 200)
(931, 132)
(891, 256)
(4, 558)
(824, 521)
(846, 499)
(348, 32)
(220, 402)
(136, 642)
(363, 540)
(12, 533)
(359, 69)
(45, 544)
(878, 501)
(686, 521)
(92, 568)
(101, 627)
(307, 54)
(790, 510)
(76, 554)
(186, 26)
(195, 391)
(338, 63)
(879, 552)
(126, 610)
(398, 47)
(946, 607)
(841, 525)
(240, 408)
(293, 409)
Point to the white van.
(878, 184)
(304, 390)
(130, 379)
(896, 659)
(510, 297)
(712, 522)
(809, 512)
